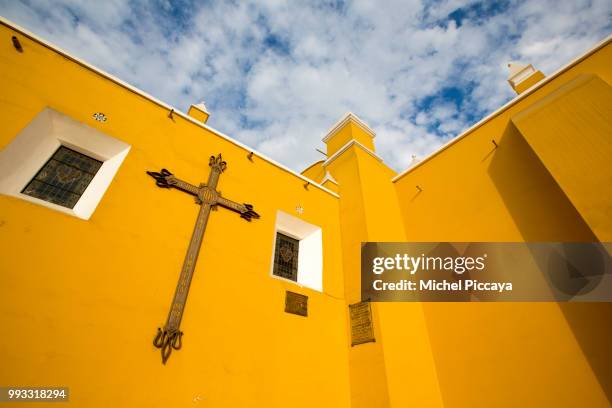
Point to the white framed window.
(64, 177)
(297, 253)
(51, 140)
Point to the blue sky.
(277, 75)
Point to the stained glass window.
(286, 257)
(64, 178)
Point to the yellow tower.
(368, 212)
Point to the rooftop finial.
(523, 76)
(199, 112)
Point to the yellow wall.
(514, 354)
(315, 171)
(81, 300)
(397, 370)
(366, 361)
(571, 133)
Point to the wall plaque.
(362, 330)
(296, 303)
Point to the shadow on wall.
(542, 212)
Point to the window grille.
(64, 178)
(286, 257)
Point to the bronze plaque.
(296, 303)
(362, 330)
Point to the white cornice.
(509, 104)
(348, 117)
(346, 147)
(329, 177)
(156, 101)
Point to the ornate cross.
(207, 196)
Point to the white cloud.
(277, 74)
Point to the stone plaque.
(362, 330)
(296, 303)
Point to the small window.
(64, 178)
(297, 252)
(286, 257)
(28, 173)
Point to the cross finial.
(217, 163)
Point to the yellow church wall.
(81, 300)
(576, 147)
(512, 354)
(331, 186)
(368, 385)
(315, 171)
(402, 330)
(382, 212)
(383, 373)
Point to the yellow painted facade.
(548, 179)
(81, 299)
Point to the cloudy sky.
(277, 75)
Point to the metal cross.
(207, 196)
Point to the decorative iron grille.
(286, 257)
(64, 178)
